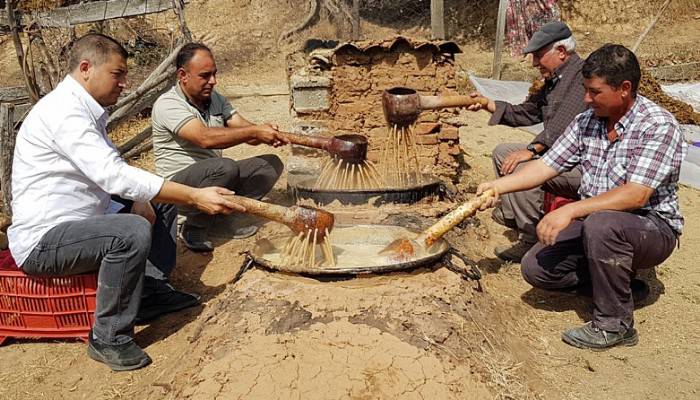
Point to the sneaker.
(513, 253)
(589, 336)
(119, 357)
(196, 239)
(165, 300)
(245, 232)
(500, 219)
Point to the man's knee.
(135, 234)
(227, 167)
(500, 152)
(224, 172)
(531, 270)
(274, 162)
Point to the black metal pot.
(407, 195)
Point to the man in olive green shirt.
(192, 124)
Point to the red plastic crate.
(552, 202)
(44, 307)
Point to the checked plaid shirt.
(648, 151)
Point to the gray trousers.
(252, 177)
(604, 249)
(118, 246)
(525, 207)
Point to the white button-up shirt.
(65, 167)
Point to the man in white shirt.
(65, 172)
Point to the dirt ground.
(421, 334)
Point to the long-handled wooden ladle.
(402, 105)
(297, 218)
(351, 148)
(405, 248)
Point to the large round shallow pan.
(356, 250)
(430, 186)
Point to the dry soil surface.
(427, 333)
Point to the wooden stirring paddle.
(405, 248)
(297, 218)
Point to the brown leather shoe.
(513, 253)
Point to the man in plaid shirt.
(560, 99)
(629, 151)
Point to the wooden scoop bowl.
(351, 148)
(402, 105)
(297, 218)
(405, 248)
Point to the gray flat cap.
(548, 33)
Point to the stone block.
(310, 93)
(300, 165)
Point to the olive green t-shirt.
(170, 112)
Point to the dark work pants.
(118, 247)
(252, 177)
(525, 207)
(604, 249)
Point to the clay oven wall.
(355, 76)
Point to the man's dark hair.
(614, 63)
(187, 52)
(96, 48)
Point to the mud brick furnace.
(338, 91)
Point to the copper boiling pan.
(355, 248)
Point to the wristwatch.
(531, 148)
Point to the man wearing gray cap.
(560, 99)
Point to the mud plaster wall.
(358, 79)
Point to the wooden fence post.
(356, 33)
(7, 149)
(498, 46)
(437, 19)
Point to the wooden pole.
(19, 49)
(7, 150)
(500, 33)
(179, 6)
(135, 141)
(356, 33)
(651, 25)
(437, 19)
(143, 147)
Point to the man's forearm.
(222, 138)
(628, 197)
(533, 174)
(524, 114)
(175, 193)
